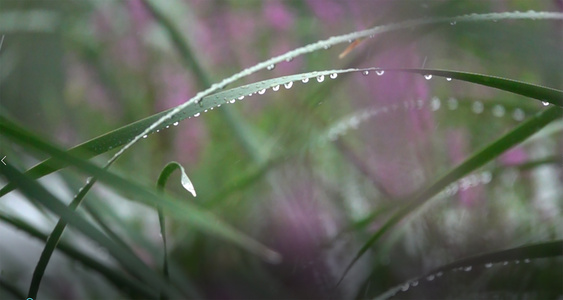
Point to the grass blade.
(542, 250)
(183, 211)
(486, 154)
(161, 183)
(119, 137)
(119, 280)
(32, 189)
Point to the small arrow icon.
(2, 160)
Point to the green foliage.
(275, 177)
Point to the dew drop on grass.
(379, 72)
(427, 76)
(289, 59)
(430, 278)
(271, 67)
(498, 111)
(232, 101)
(305, 80)
(145, 136)
(452, 103)
(333, 75)
(505, 263)
(435, 103)
(366, 73)
(197, 115)
(288, 85)
(175, 123)
(439, 274)
(477, 107)
(453, 23)
(527, 260)
(320, 78)
(518, 114)
(205, 111)
(405, 287)
(262, 91)
(414, 283)
(158, 130)
(241, 97)
(488, 265)
(276, 88)
(326, 47)
(545, 103)
(467, 269)
(448, 79)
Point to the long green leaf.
(131, 133)
(120, 136)
(161, 183)
(524, 253)
(32, 189)
(116, 278)
(181, 210)
(481, 157)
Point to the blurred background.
(310, 171)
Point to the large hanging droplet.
(276, 88)
(379, 72)
(333, 75)
(288, 85)
(305, 80)
(427, 76)
(271, 67)
(320, 78)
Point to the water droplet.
(145, 136)
(366, 73)
(453, 23)
(518, 114)
(448, 79)
(211, 108)
(545, 103)
(517, 261)
(175, 123)
(505, 263)
(439, 274)
(486, 177)
(305, 80)
(288, 85)
(430, 278)
(276, 88)
(289, 59)
(405, 287)
(205, 111)
(527, 260)
(333, 75)
(498, 110)
(271, 67)
(326, 47)
(379, 72)
(158, 130)
(427, 76)
(250, 95)
(414, 283)
(452, 103)
(241, 97)
(320, 78)
(232, 100)
(197, 115)
(435, 103)
(467, 269)
(477, 107)
(262, 91)
(488, 265)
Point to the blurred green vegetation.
(71, 71)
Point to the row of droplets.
(429, 278)
(477, 106)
